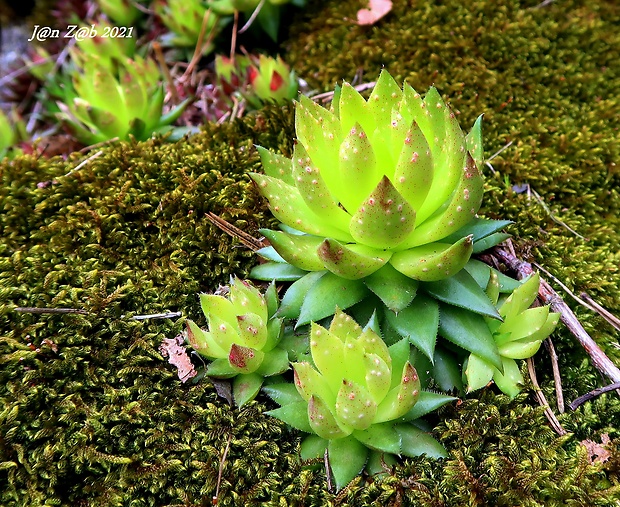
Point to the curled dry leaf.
(177, 355)
(597, 453)
(377, 9)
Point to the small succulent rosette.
(357, 399)
(114, 98)
(184, 19)
(518, 336)
(123, 13)
(243, 338)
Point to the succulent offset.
(356, 398)
(243, 338)
(519, 336)
(111, 98)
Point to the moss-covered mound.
(91, 414)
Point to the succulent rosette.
(243, 339)
(184, 19)
(356, 399)
(380, 201)
(114, 98)
(518, 336)
(272, 80)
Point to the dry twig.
(247, 239)
(557, 379)
(542, 400)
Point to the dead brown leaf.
(377, 9)
(597, 453)
(177, 355)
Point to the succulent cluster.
(243, 338)
(12, 130)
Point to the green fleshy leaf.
(490, 241)
(481, 272)
(299, 251)
(274, 363)
(447, 370)
(400, 354)
(347, 458)
(221, 368)
(392, 287)
(354, 405)
(427, 403)
(380, 437)
(474, 142)
(478, 373)
(469, 331)
(279, 271)
(415, 442)
(328, 293)
(294, 414)
(380, 463)
(174, 114)
(245, 359)
(462, 290)
(323, 422)
(246, 387)
(479, 227)
(296, 294)
(350, 261)
(418, 322)
(276, 165)
(509, 382)
(401, 398)
(283, 394)
(272, 299)
(269, 253)
(434, 261)
(313, 447)
(384, 220)
(269, 19)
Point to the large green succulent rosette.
(356, 397)
(378, 205)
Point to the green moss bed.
(92, 415)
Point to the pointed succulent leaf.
(252, 331)
(224, 333)
(245, 359)
(521, 349)
(462, 207)
(400, 354)
(462, 290)
(401, 398)
(221, 368)
(378, 376)
(247, 299)
(347, 458)
(352, 109)
(481, 272)
(308, 382)
(246, 387)
(380, 437)
(474, 142)
(428, 402)
(355, 406)
(328, 293)
(202, 342)
(492, 288)
(480, 228)
(415, 442)
(274, 363)
(385, 96)
(469, 331)
(283, 394)
(547, 328)
(373, 344)
(323, 422)
(272, 300)
(446, 370)
(217, 305)
(314, 190)
(490, 241)
(478, 373)
(295, 295)
(385, 219)
(525, 323)
(511, 379)
(418, 322)
(300, 251)
(276, 165)
(392, 287)
(280, 271)
(294, 414)
(414, 170)
(313, 447)
(434, 261)
(344, 326)
(353, 353)
(522, 298)
(327, 351)
(350, 261)
(173, 115)
(358, 164)
(275, 333)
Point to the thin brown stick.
(593, 305)
(557, 379)
(592, 394)
(542, 400)
(552, 298)
(159, 54)
(328, 471)
(221, 470)
(247, 239)
(199, 44)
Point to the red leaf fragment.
(377, 9)
(177, 355)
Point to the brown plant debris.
(173, 349)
